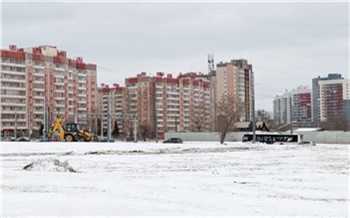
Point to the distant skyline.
(288, 43)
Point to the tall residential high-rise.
(282, 109)
(236, 79)
(316, 116)
(32, 77)
(302, 111)
(293, 106)
(334, 104)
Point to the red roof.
(12, 54)
(132, 80)
(159, 79)
(186, 81)
(171, 80)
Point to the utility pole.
(108, 120)
(101, 126)
(45, 118)
(15, 125)
(29, 124)
(135, 129)
(175, 124)
(253, 109)
(155, 108)
(211, 71)
(291, 113)
(254, 122)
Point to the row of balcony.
(12, 72)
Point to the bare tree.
(145, 131)
(116, 129)
(335, 123)
(229, 112)
(199, 117)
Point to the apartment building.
(282, 109)
(235, 78)
(293, 106)
(316, 113)
(164, 102)
(334, 104)
(32, 78)
(113, 97)
(302, 110)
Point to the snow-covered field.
(190, 179)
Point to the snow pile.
(49, 165)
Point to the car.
(173, 140)
(39, 139)
(307, 143)
(104, 139)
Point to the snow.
(190, 179)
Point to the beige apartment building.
(34, 77)
(236, 79)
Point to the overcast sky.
(288, 43)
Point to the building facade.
(302, 110)
(334, 104)
(236, 79)
(282, 109)
(316, 113)
(32, 78)
(162, 103)
(113, 97)
(293, 106)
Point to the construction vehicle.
(71, 132)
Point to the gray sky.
(288, 43)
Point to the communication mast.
(210, 63)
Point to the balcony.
(12, 64)
(39, 74)
(13, 80)
(60, 105)
(59, 83)
(39, 67)
(12, 104)
(13, 72)
(8, 111)
(38, 89)
(38, 82)
(38, 104)
(13, 88)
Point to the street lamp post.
(291, 114)
(108, 120)
(253, 109)
(135, 129)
